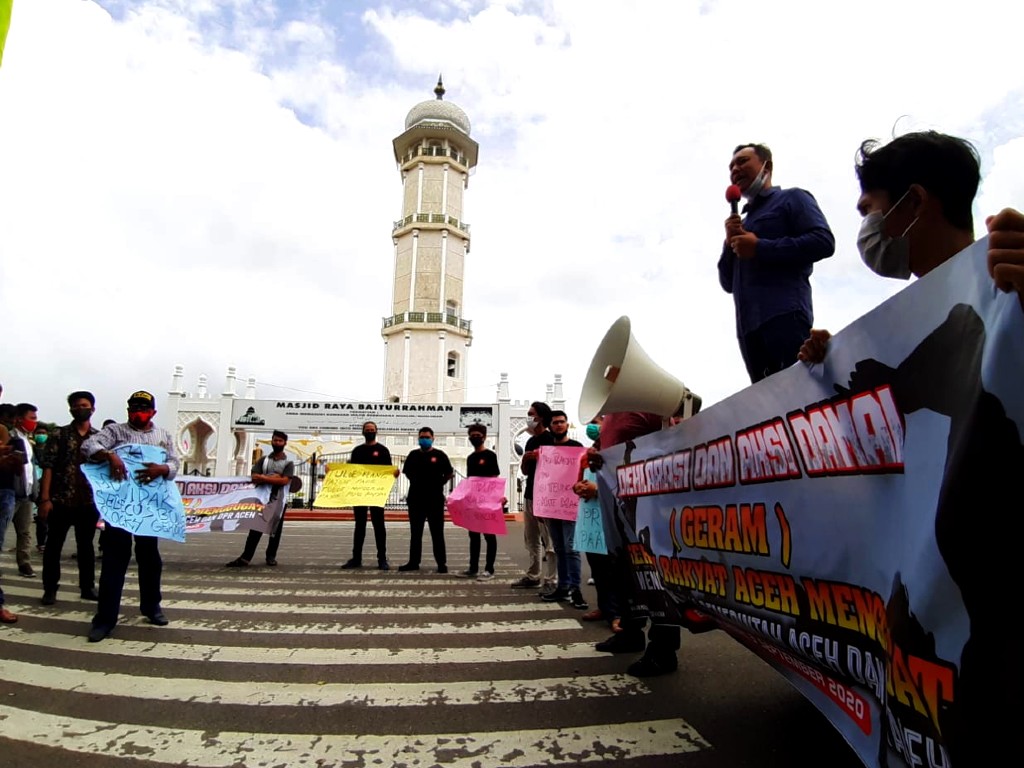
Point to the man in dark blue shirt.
(767, 260)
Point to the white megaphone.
(623, 378)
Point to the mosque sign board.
(307, 416)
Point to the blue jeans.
(6, 512)
(569, 565)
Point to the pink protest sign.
(475, 505)
(557, 472)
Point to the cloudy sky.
(211, 182)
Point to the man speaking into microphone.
(767, 260)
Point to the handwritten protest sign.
(557, 471)
(588, 535)
(475, 505)
(145, 509)
(229, 504)
(355, 485)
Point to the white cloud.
(212, 183)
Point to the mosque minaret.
(426, 336)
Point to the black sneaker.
(652, 666)
(558, 595)
(353, 563)
(577, 601)
(98, 633)
(471, 574)
(624, 642)
(238, 562)
(382, 565)
(49, 597)
(525, 583)
(442, 569)
(408, 567)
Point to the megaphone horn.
(623, 378)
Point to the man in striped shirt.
(117, 545)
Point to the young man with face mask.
(275, 470)
(568, 561)
(428, 469)
(27, 487)
(917, 194)
(66, 501)
(139, 430)
(535, 530)
(767, 260)
(482, 462)
(370, 452)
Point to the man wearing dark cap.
(117, 545)
(275, 470)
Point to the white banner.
(306, 416)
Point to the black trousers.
(474, 551)
(431, 512)
(380, 534)
(61, 519)
(774, 345)
(254, 538)
(603, 570)
(117, 553)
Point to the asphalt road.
(308, 665)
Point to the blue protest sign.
(150, 509)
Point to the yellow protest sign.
(355, 485)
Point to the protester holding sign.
(916, 197)
(569, 565)
(428, 469)
(117, 553)
(370, 452)
(602, 566)
(483, 462)
(275, 470)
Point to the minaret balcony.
(451, 154)
(439, 220)
(432, 318)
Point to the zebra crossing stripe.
(432, 693)
(206, 749)
(325, 608)
(161, 646)
(131, 588)
(323, 628)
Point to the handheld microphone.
(733, 195)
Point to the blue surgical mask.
(757, 185)
(885, 256)
(593, 430)
(426, 442)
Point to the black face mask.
(81, 415)
(370, 436)
(476, 441)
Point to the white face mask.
(757, 185)
(885, 256)
(531, 425)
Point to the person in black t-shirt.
(428, 469)
(370, 452)
(481, 463)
